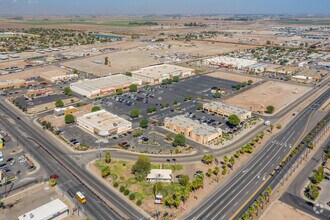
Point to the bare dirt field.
(146, 55)
(286, 213)
(29, 73)
(234, 77)
(18, 63)
(277, 94)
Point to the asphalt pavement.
(102, 203)
(228, 198)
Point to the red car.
(54, 176)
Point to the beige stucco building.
(193, 129)
(103, 123)
(156, 74)
(227, 110)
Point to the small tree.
(137, 133)
(75, 71)
(108, 157)
(270, 109)
(216, 170)
(225, 159)
(217, 95)
(119, 91)
(69, 119)
(232, 161)
(179, 140)
(184, 180)
(234, 120)
(176, 79)
(249, 82)
(95, 109)
(67, 91)
(59, 103)
(106, 61)
(279, 126)
(135, 113)
(142, 167)
(271, 127)
(175, 102)
(105, 171)
(144, 123)
(133, 88)
(209, 172)
(238, 86)
(128, 74)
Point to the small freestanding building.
(54, 210)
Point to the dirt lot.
(147, 54)
(29, 73)
(286, 213)
(234, 77)
(18, 63)
(277, 94)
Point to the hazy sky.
(67, 7)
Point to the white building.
(54, 210)
(92, 88)
(103, 123)
(160, 175)
(230, 62)
(156, 74)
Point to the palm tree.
(257, 206)
(185, 194)
(232, 162)
(246, 216)
(107, 157)
(252, 210)
(262, 198)
(268, 191)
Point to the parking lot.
(188, 93)
(183, 97)
(14, 164)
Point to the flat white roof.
(198, 128)
(227, 108)
(160, 173)
(91, 85)
(158, 71)
(103, 120)
(45, 211)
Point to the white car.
(12, 162)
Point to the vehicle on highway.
(81, 197)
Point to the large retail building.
(156, 74)
(103, 123)
(92, 88)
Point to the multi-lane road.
(102, 202)
(233, 194)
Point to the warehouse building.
(58, 75)
(54, 210)
(92, 88)
(156, 74)
(193, 129)
(229, 62)
(226, 110)
(103, 123)
(15, 83)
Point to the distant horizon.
(160, 7)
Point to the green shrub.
(132, 196)
(126, 192)
(115, 184)
(139, 203)
(122, 189)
